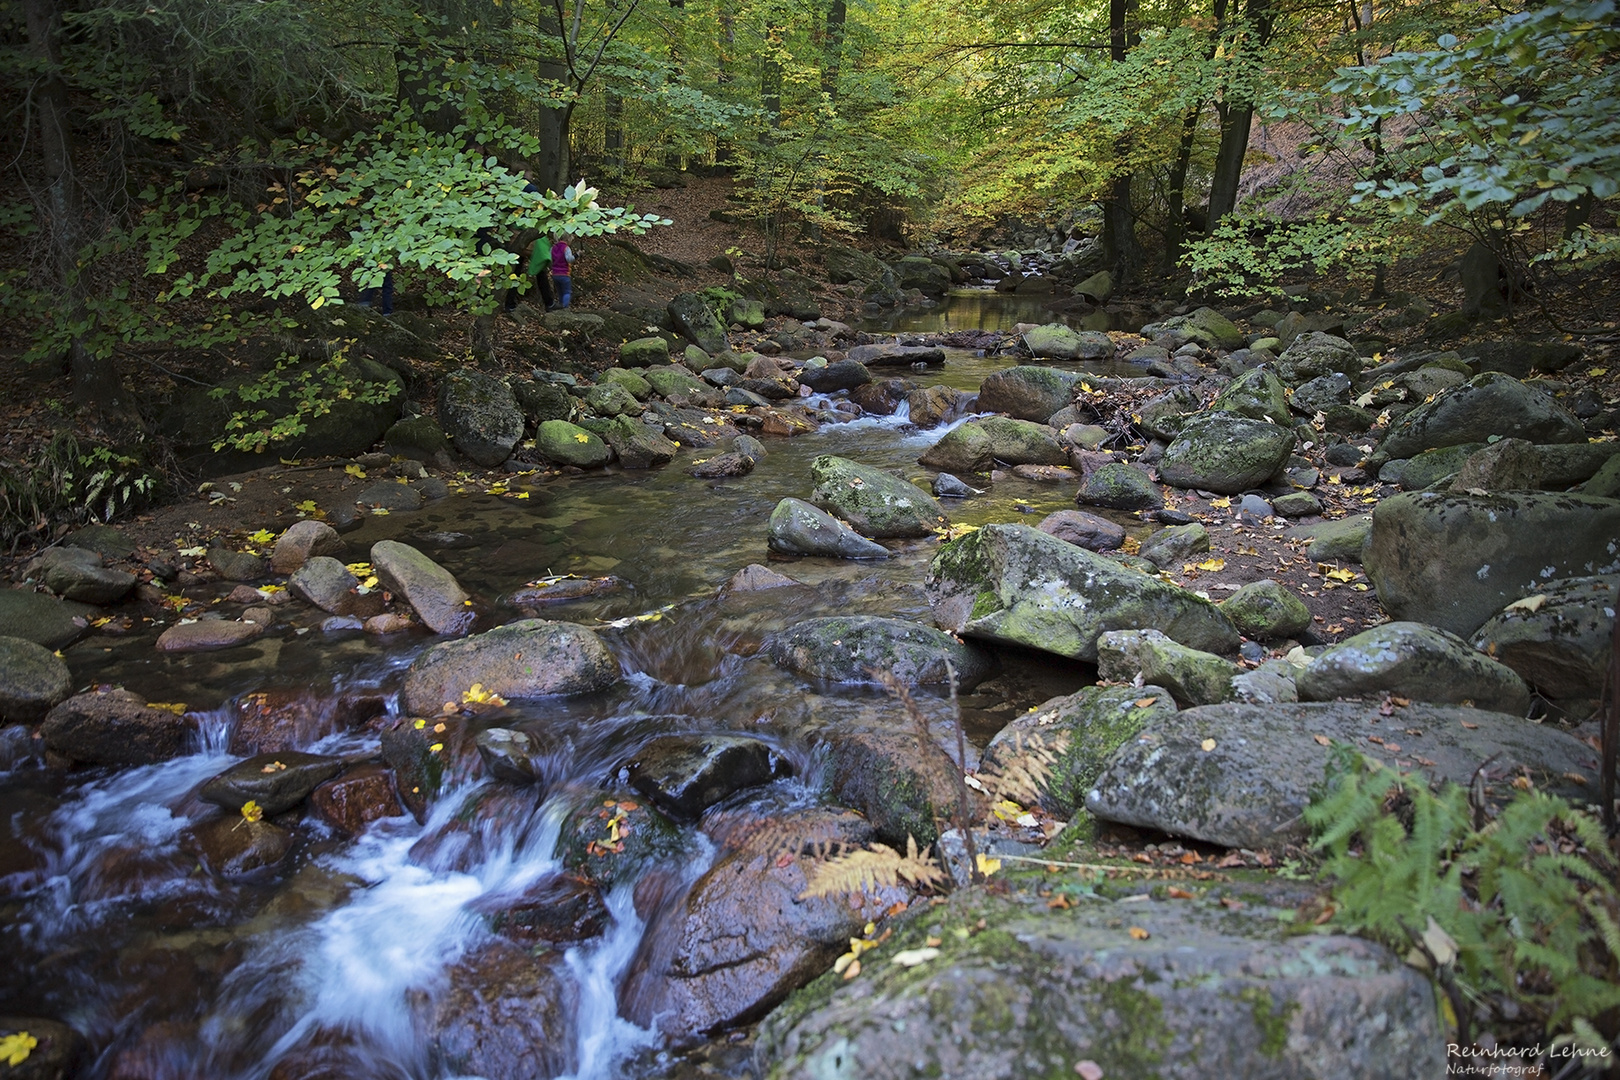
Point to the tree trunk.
(613, 137)
(1121, 252)
(95, 380)
(551, 123)
(1236, 120)
(1176, 227)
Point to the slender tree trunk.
(1121, 251)
(1176, 230)
(613, 137)
(95, 380)
(551, 124)
(1237, 119)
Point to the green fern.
(1528, 899)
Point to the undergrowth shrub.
(1514, 916)
(70, 482)
(1251, 257)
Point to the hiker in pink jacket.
(562, 271)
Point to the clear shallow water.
(977, 309)
(161, 964)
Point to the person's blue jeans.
(564, 284)
(370, 297)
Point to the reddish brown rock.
(353, 800)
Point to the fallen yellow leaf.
(1138, 933)
(15, 1048)
(355, 470)
(987, 865)
(252, 811)
(1212, 565)
(1220, 504)
(1529, 604)
(1207, 745)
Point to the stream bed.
(342, 961)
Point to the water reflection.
(979, 309)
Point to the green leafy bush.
(1515, 916)
(1247, 256)
(70, 482)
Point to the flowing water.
(112, 925)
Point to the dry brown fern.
(870, 867)
(1022, 772)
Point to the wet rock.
(644, 352)
(1028, 392)
(1016, 584)
(1453, 561)
(1225, 453)
(558, 590)
(236, 565)
(271, 720)
(389, 622)
(1084, 530)
(903, 786)
(32, 679)
(1120, 486)
(231, 846)
(851, 648)
(722, 466)
(611, 840)
(429, 588)
(1201, 992)
(1415, 661)
(797, 528)
(114, 727)
(646, 449)
(569, 444)
(674, 382)
(754, 577)
(56, 1053)
(1176, 544)
(542, 401)
(1191, 676)
(559, 910)
(360, 795)
(302, 541)
(744, 937)
(77, 574)
(881, 398)
(508, 755)
(947, 486)
(1249, 789)
(978, 444)
(1257, 394)
(277, 781)
(840, 375)
(391, 495)
(693, 317)
(419, 438)
(208, 635)
(893, 355)
(506, 1013)
(426, 756)
(1082, 730)
(480, 416)
(1266, 611)
(935, 405)
(1205, 325)
(326, 583)
(1314, 354)
(875, 503)
(1562, 644)
(42, 619)
(684, 775)
(1335, 541)
(1487, 405)
(526, 659)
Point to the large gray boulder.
(1054, 341)
(875, 503)
(326, 583)
(695, 319)
(1249, 788)
(78, 574)
(302, 541)
(527, 659)
(1486, 405)
(893, 354)
(1265, 611)
(797, 528)
(858, 648)
(428, 587)
(684, 775)
(1314, 354)
(1414, 661)
(480, 415)
(847, 264)
(114, 727)
(1454, 560)
(975, 446)
(1342, 540)
(1225, 453)
(1174, 989)
(1028, 392)
(1120, 486)
(1559, 639)
(1089, 531)
(839, 375)
(1018, 585)
(32, 679)
(923, 274)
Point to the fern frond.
(1021, 773)
(869, 867)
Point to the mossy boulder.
(32, 679)
(694, 318)
(1487, 405)
(1088, 726)
(1175, 544)
(527, 659)
(1266, 611)
(903, 785)
(541, 400)
(1028, 391)
(1055, 341)
(1193, 677)
(570, 444)
(1415, 661)
(1205, 325)
(875, 503)
(1257, 394)
(1018, 585)
(639, 388)
(1314, 354)
(1562, 644)
(673, 381)
(797, 528)
(417, 437)
(644, 352)
(480, 415)
(1225, 453)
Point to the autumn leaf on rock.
(1212, 565)
(252, 811)
(355, 471)
(1138, 933)
(1207, 745)
(15, 1048)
